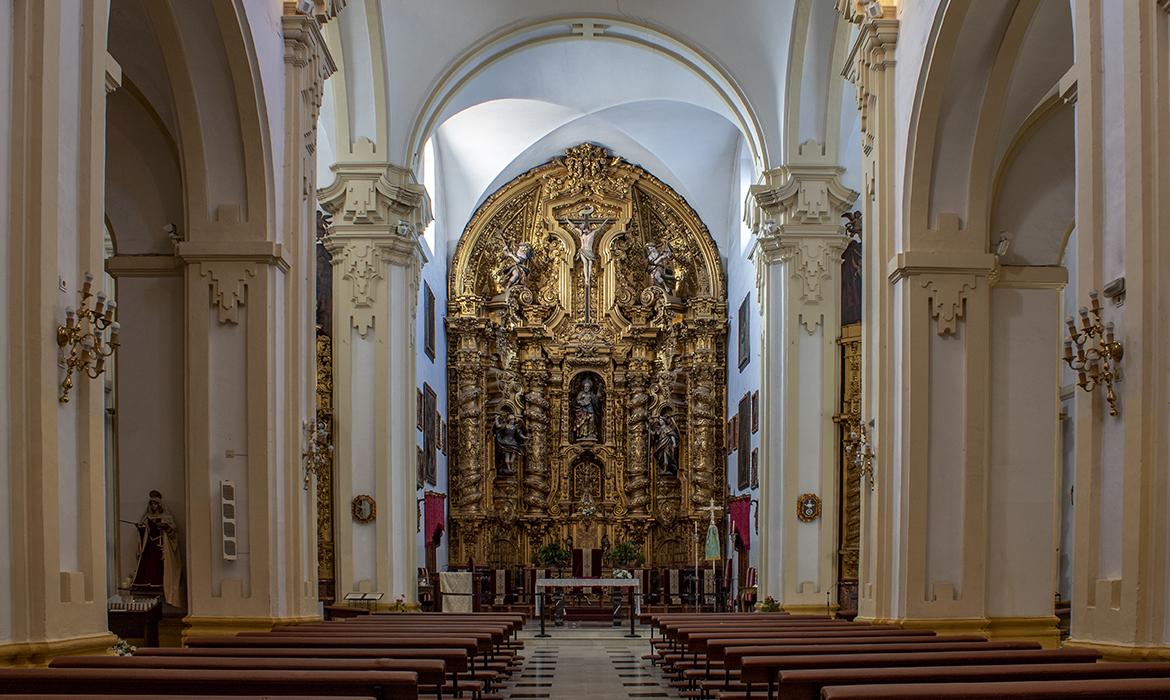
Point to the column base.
(229, 626)
(1120, 652)
(1043, 629)
(809, 609)
(30, 654)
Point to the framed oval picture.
(364, 509)
(808, 507)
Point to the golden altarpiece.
(586, 324)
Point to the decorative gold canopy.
(587, 330)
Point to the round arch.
(516, 39)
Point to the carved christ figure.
(664, 438)
(587, 229)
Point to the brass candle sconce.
(1096, 350)
(83, 333)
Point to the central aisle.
(595, 662)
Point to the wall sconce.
(1104, 349)
(859, 448)
(320, 450)
(83, 333)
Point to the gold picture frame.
(364, 509)
(808, 507)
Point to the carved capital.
(374, 197)
(803, 195)
(948, 299)
(228, 282)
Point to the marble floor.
(587, 660)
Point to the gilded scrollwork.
(588, 359)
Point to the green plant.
(623, 554)
(552, 555)
(769, 605)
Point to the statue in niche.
(664, 438)
(586, 412)
(517, 271)
(158, 566)
(659, 268)
(851, 265)
(510, 437)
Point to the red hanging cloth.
(740, 513)
(436, 506)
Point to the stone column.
(871, 70)
(641, 365)
(52, 528)
(798, 257)
(1120, 581)
(377, 211)
(534, 368)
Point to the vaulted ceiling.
(704, 95)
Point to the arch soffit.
(477, 227)
(516, 39)
(827, 90)
(983, 177)
(201, 120)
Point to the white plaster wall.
(278, 471)
(816, 73)
(945, 465)
(773, 492)
(434, 373)
(1066, 495)
(228, 384)
(741, 283)
(1114, 199)
(6, 629)
(365, 537)
(810, 479)
(68, 210)
(150, 407)
(1024, 451)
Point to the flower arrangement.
(622, 573)
(399, 603)
(769, 605)
(122, 647)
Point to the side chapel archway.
(567, 344)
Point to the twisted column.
(536, 416)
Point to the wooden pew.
(430, 672)
(761, 671)
(456, 661)
(382, 685)
(806, 684)
(1122, 689)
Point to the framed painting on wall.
(428, 321)
(755, 412)
(745, 329)
(756, 468)
(744, 438)
(430, 433)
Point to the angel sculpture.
(510, 439)
(853, 225)
(517, 270)
(658, 266)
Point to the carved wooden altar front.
(587, 301)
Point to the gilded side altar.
(587, 330)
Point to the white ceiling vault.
(704, 95)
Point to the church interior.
(842, 308)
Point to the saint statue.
(510, 439)
(586, 412)
(664, 438)
(158, 565)
(518, 270)
(659, 268)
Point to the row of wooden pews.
(396, 656)
(741, 656)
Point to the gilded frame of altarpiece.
(599, 326)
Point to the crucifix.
(587, 228)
